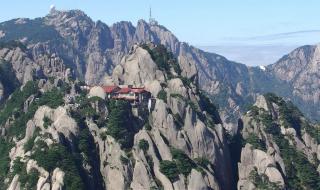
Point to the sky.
(214, 25)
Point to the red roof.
(109, 89)
(124, 90)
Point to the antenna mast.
(150, 14)
(152, 21)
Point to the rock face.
(21, 63)
(25, 66)
(63, 126)
(1, 92)
(255, 159)
(94, 144)
(300, 68)
(15, 184)
(261, 103)
(62, 123)
(275, 132)
(57, 179)
(137, 69)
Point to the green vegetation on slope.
(14, 107)
(53, 99)
(161, 57)
(289, 113)
(15, 103)
(313, 131)
(181, 164)
(7, 78)
(170, 169)
(206, 105)
(121, 125)
(13, 44)
(30, 143)
(27, 181)
(5, 148)
(162, 95)
(261, 181)
(291, 116)
(256, 142)
(60, 156)
(87, 146)
(166, 62)
(86, 110)
(301, 174)
(34, 30)
(143, 145)
(184, 163)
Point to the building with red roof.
(133, 94)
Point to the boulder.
(261, 102)
(15, 184)
(274, 176)
(252, 159)
(196, 181)
(176, 86)
(57, 179)
(62, 122)
(136, 69)
(153, 87)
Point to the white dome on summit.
(52, 8)
(97, 91)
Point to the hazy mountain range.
(263, 49)
(252, 55)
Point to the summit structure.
(152, 21)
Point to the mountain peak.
(63, 16)
(143, 22)
(73, 12)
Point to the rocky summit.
(84, 105)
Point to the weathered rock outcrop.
(300, 68)
(1, 92)
(137, 69)
(275, 132)
(194, 138)
(63, 124)
(255, 159)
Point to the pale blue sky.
(201, 22)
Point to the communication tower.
(152, 21)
